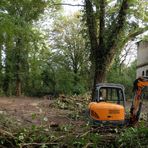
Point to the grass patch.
(133, 137)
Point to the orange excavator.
(108, 105)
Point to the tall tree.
(70, 46)
(21, 14)
(110, 27)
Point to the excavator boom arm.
(139, 85)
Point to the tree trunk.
(75, 70)
(1, 74)
(101, 66)
(18, 87)
(18, 67)
(7, 69)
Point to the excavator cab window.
(111, 94)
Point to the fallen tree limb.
(8, 137)
(88, 145)
(6, 133)
(37, 144)
(1, 146)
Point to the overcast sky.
(71, 9)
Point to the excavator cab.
(113, 93)
(108, 105)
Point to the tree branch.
(67, 4)
(122, 15)
(91, 23)
(102, 22)
(132, 35)
(118, 27)
(37, 144)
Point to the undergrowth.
(133, 138)
(14, 134)
(70, 136)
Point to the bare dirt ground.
(35, 111)
(38, 111)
